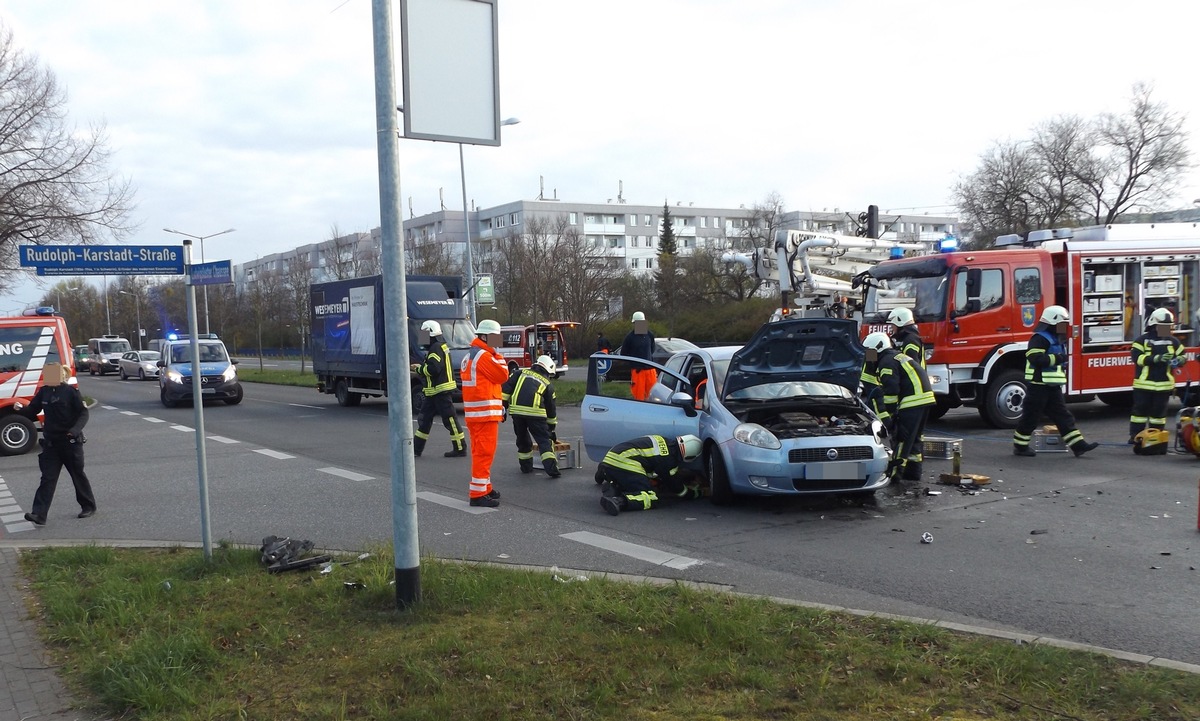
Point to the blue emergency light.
(949, 244)
(896, 252)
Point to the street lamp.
(58, 297)
(138, 305)
(462, 174)
(201, 238)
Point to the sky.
(259, 115)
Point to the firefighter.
(632, 473)
(439, 387)
(1155, 354)
(529, 399)
(906, 337)
(484, 371)
(907, 398)
(639, 343)
(1045, 375)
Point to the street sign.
(603, 366)
(214, 273)
(485, 292)
(103, 259)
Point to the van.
(218, 374)
(104, 353)
(27, 344)
(521, 345)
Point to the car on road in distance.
(140, 364)
(81, 358)
(218, 372)
(104, 353)
(778, 416)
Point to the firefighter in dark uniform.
(1045, 375)
(907, 398)
(62, 442)
(439, 394)
(906, 337)
(626, 472)
(1155, 354)
(528, 398)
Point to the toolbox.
(568, 454)
(1047, 440)
(938, 447)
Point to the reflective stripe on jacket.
(646, 456)
(436, 371)
(1044, 359)
(908, 341)
(483, 373)
(529, 393)
(1151, 374)
(905, 383)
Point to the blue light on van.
(948, 244)
(172, 336)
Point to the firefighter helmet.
(1162, 315)
(487, 327)
(1151, 442)
(877, 341)
(638, 315)
(900, 317)
(547, 364)
(1055, 314)
(1190, 436)
(432, 326)
(690, 446)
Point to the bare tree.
(263, 296)
(294, 292)
(425, 254)
(55, 186)
(587, 279)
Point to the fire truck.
(522, 344)
(976, 310)
(27, 344)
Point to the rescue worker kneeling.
(528, 398)
(627, 470)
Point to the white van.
(104, 353)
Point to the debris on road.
(927, 537)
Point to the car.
(140, 363)
(778, 416)
(218, 372)
(104, 352)
(81, 358)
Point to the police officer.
(1155, 354)
(529, 399)
(62, 442)
(907, 398)
(626, 471)
(1045, 375)
(439, 387)
(906, 337)
(484, 371)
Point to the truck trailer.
(348, 334)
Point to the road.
(1100, 550)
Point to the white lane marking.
(273, 454)
(130, 413)
(5, 494)
(109, 408)
(182, 428)
(23, 525)
(152, 419)
(455, 503)
(348, 475)
(633, 550)
(13, 517)
(301, 405)
(222, 439)
(10, 508)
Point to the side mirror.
(233, 361)
(160, 364)
(684, 401)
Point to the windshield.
(672, 345)
(920, 287)
(209, 353)
(458, 333)
(113, 346)
(149, 355)
(789, 390)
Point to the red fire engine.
(27, 344)
(522, 344)
(977, 309)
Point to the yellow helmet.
(1151, 442)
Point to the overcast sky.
(259, 115)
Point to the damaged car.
(778, 416)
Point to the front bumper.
(212, 388)
(859, 465)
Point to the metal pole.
(206, 329)
(138, 305)
(197, 403)
(107, 314)
(470, 299)
(400, 428)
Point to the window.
(633, 262)
(646, 220)
(649, 263)
(991, 290)
(500, 221)
(1027, 285)
(512, 219)
(572, 218)
(703, 221)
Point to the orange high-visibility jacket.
(484, 370)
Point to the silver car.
(778, 416)
(141, 364)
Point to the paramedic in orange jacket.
(640, 344)
(484, 370)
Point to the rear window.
(19, 345)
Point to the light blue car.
(778, 416)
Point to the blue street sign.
(214, 273)
(603, 366)
(103, 259)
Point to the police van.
(218, 372)
(27, 344)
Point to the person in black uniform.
(602, 343)
(639, 343)
(439, 394)
(528, 397)
(907, 398)
(907, 337)
(1155, 354)
(626, 471)
(62, 442)
(1045, 375)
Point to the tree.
(54, 183)
(667, 276)
(297, 279)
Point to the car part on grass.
(287, 554)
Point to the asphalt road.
(1101, 550)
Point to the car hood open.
(799, 349)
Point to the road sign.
(103, 259)
(214, 273)
(603, 365)
(485, 292)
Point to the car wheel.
(162, 396)
(1004, 399)
(720, 493)
(940, 408)
(18, 435)
(236, 399)
(345, 397)
(1122, 400)
(123, 376)
(141, 374)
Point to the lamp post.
(470, 261)
(201, 238)
(58, 297)
(138, 305)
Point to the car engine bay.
(786, 423)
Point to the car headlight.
(753, 434)
(174, 377)
(229, 374)
(879, 432)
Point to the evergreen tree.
(666, 236)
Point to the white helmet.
(547, 363)
(1162, 315)
(1055, 314)
(877, 341)
(638, 315)
(487, 327)
(690, 446)
(900, 317)
(432, 326)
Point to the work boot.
(611, 504)
(41, 520)
(1019, 450)
(1083, 447)
(911, 472)
(551, 466)
(526, 465)
(418, 446)
(608, 489)
(454, 453)
(485, 502)
(493, 494)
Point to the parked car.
(140, 363)
(778, 416)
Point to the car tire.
(719, 490)
(345, 397)
(1121, 399)
(141, 374)
(123, 376)
(162, 396)
(18, 435)
(1004, 398)
(236, 399)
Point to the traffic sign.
(485, 292)
(214, 273)
(603, 365)
(103, 259)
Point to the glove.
(1178, 361)
(414, 367)
(1156, 360)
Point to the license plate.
(837, 471)
(208, 390)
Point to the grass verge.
(161, 634)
